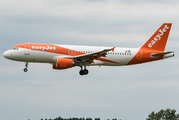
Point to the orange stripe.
(50, 48)
(145, 56)
(105, 60)
(58, 50)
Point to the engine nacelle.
(63, 63)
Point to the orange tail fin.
(154, 48)
(159, 39)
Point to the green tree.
(89, 119)
(59, 118)
(97, 119)
(163, 115)
(80, 118)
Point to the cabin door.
(27, 50)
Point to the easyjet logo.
(158, 36)
(43, 47)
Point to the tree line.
(74, 118)
(160, 115)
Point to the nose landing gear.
(26, 65)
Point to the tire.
(25, 69)
(81, 72)
(85, 71)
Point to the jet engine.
(63, 63)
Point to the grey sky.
(128, 92)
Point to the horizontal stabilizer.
(165, 54)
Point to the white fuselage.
(120, 56)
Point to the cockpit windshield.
(14, 48)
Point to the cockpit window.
(14, 48)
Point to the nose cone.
(7, 54)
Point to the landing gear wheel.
(26, 65)
(81, 72)
(85, 71)
(25, 69)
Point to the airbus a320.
(67, 56)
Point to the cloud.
(127, 92)
(61, 21)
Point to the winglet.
(113, 49)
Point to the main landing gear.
(26, 65)
(83, 72)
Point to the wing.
(88, 58)
(96, 54)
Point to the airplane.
(67, 56)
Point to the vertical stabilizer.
(159, 39)
(154, 48)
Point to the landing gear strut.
(26, 65)
(83, 72)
